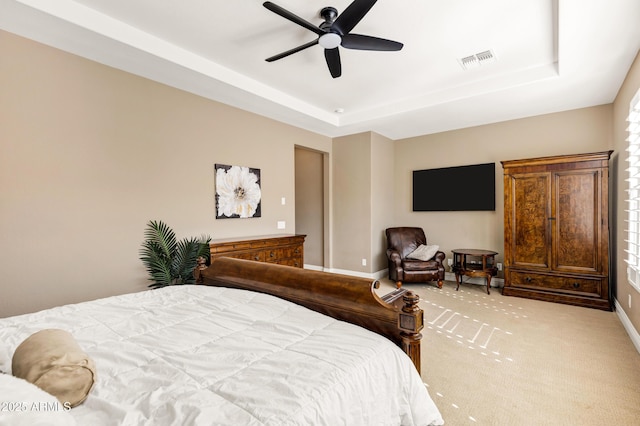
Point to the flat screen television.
(462, 188)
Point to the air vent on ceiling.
(474, 61)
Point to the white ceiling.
(552, 55)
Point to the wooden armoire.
(556, 229)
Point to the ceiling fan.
(335, 31)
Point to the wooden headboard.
(347, 298)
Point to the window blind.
(633, 193)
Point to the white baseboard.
(369, 275)
(626, 322)
(374, 276)
(313, 267)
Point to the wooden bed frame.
(351, 299)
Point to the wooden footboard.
(343, 297)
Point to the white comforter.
(197, 355)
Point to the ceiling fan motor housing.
(329, 14)
(332, 38)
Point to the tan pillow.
(52, 360)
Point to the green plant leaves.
(157, 263)
(168, 261)
(185, 260)
(160, 234)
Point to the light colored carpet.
(500, 360)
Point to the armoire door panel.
(530, 239)
(576, 223)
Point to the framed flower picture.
(238, 193)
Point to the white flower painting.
(237, 192)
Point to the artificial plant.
(167, 260)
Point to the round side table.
(474, 263)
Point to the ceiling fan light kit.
(330, 40)
(334, 32)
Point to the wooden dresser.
(285, 249)
(556, 229)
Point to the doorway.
(310, 206)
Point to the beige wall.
(578, 131)
(351, 208)
(620, 111)
(89, 154)
(382, 199)
(363, 200)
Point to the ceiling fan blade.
(291, 17)
(333, 61)
(292, 51)
(352, 15)
(364, 42)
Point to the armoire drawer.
(556, 283)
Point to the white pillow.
(423, 252)
(25, 404)
(5, 358)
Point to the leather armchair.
(401, 242)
